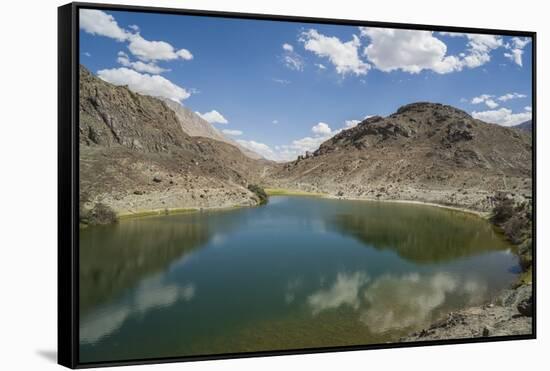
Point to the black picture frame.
(68, 180)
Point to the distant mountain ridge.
(526, 126)
(196, 126)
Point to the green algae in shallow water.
(300, 272)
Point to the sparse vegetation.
(260, 192)
(290, 192)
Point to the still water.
(299, 272)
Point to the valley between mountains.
(140, 154)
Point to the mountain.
(526, 126)
(139, 153)
(425, 151)
(134, 156)
(196, 126)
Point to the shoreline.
(176, 211)
(289, 192)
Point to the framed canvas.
(237, 185)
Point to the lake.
(299, 272)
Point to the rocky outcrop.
(509, 314)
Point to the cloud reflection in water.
(151, 294)
(393, 302)
(344, 291)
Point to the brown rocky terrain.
(134, 156)
(423, 152)
(508, 314)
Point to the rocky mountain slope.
(425, 151)
(196, 126)
(526, 126)
(134, 156)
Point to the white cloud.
(281, 81)
(528, 108)
(320, 66)
(155, 50)
(506, 97)
(343, 55)
(515, 48)
(260, 148)
(520, 43)
(479, 48)
(87, 54)
(213, 117)
(153, 85)
(287, 47)
(97, 22)
(490, 100)
(321, 129)
(184, 54)
(232, 132)
(487, 99)
(503, 116)
(515, 55)
(483, 43)
(413, 51)
(139, 66)
(491, 103)
(293, 61)
(407, 50)
(480, 99)
(348, 124)
(275, 122)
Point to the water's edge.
(285, 192)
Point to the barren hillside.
(424, 151)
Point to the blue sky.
(281, 88)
